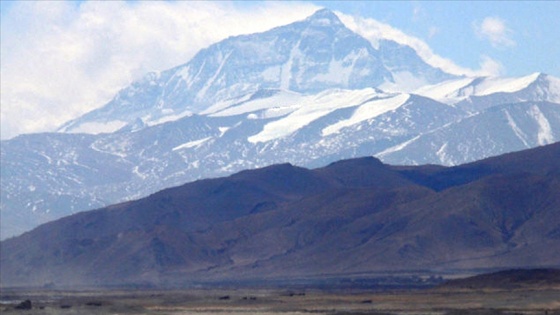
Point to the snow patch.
(223, 130)
(168, 117)
(518, 132)
(545, 135)
(184, 72)
(286, 69)
(453, 91)
(508, 85)
(312, 108)
(49, 160)
(271, 73)
(200, 95)
(278, 111)
(337, 73)
(396, 148)
(191, 144)
(98, 127)
(285, 99)
(221, 105)
(367, 111)
(446, 91)
(136, 172)
(443, 156)
(340, 71)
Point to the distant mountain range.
(309, 93)
(351, 218)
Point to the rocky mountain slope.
(285, 222)
(308, 93)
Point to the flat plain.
(544, 301)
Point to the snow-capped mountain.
(309, 56)
(503, 128)
(308, 93)
(478, 93)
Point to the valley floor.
(284, 302)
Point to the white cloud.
(494, 29)
(61, 59)
(433, 31)
(418, 12)
(374, 31)
(491, 67)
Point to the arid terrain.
(287, 222)
(284, 301)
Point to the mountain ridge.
(355, 216)
(150, 136)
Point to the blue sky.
(61, 59)
(453, 30)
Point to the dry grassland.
(285, 302)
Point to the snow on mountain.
(272, 103)
(70, 172)
(305, 57)
(368, 110)
(308, 93)
(499, 129)
(408, 69)
(284, 222)
(475, 94)
(312, 108)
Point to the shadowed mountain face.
(286, 222)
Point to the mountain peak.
(541, 76)
(324, 17)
